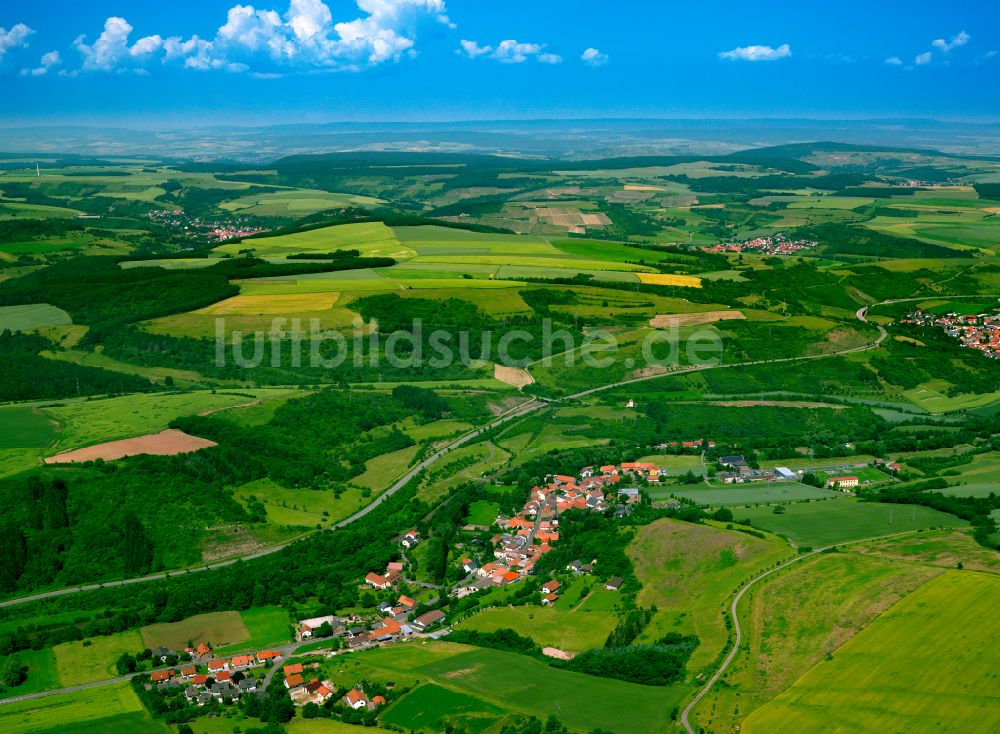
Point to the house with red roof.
(242, 662)
(379, 582)
(356, 699)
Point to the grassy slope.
(690, 572)
(928, 665)
(796, 618)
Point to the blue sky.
(192, 61)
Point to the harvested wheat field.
(512, 376)
(164, 443)
(663, 320)
(685, 281)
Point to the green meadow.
(433, 708)
(95, 421)
(93, 659)
(35, 316)
(841, 520)
(105, 710)
(517, 683)
(25, 428)
(754, 493)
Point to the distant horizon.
(152, 125)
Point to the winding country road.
(513, 414)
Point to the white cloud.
(757, 53)
(923, 59)
(894, 61)
(16, 37)
(472, 49)
(509, 52)
(112, 52)
(960, 39)
(514, 52)
(46, 64)
(305, 37)
(593, 57)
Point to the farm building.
(428, 620)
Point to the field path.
(519, 411)
(738, 638)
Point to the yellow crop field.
(276, 303)
(685, 281)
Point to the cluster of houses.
(530, 533)
(974, 331)
(217, 679)
(778, 244)
(302, 692)
(213, 230)
(398, 622)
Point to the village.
(974, 331)
(204, 679)
(523, 538)
(777, 244)
(214, 231)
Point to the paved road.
(515, 413)
(738, 630)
